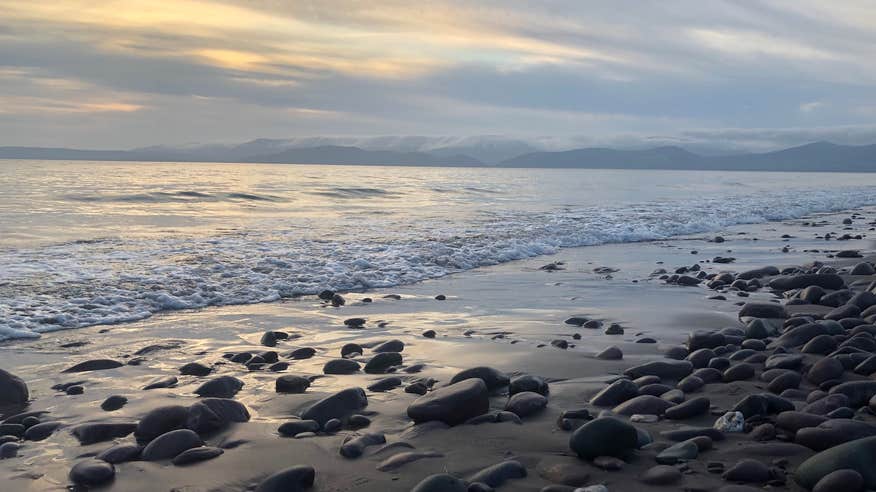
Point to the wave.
(171, 197)
(111, 281)
(355, 193)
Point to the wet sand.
(505, 317)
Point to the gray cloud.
(715, 76)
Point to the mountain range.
(817, 156)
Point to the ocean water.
(85, 243)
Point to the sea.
(86, 243)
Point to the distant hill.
(818, 156)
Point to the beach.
(516, 318)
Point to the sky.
(746, 73)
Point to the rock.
(94, 365)
(526, 403)
(165, 382)
(497, 474)
(821, 344)
(608, 463)
(763, 310)
(269, 339)
(13, 390)
(799, 335)
(787, 380)
(763, 432)
(92, 473)
(120, 453)
(833, 432)
(700, 357)
(396, 461)
(688, 409)
(161, 420)
(690, 384)
(767, 271)
(758, 329)
(99, 432)
(748, 471)
(858, 455)
(355, 446)
(664, 369)
(705, 339)
(385, 384)
(846, 480)
(351, 349)
(783, 361)
(295, 427)
(439, 483)
(739, 372)
(221, 387)
(827, 404)
(830, 281)
(661, 475)
(302, 353)
(644, 404)
(615, 393)
(171, 444)
(196, 455)
(610, 353)
(293, 479)
(195, 369)
(858, 392)
(429, 333)
(337, 406)
(291, 383)
(730, 422)
(528, 382)
(605, 436)
(390, 346)
(41, 431)
(9, 450)
(679, 452)
(793, 421)
(340, 366)
(453, 404)
(493, 378)
(113, 403)
(561, 344)
(214, 414)
(381, 362)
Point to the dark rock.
(41, 431)
(605, 436)
(94, 365)
(291, 383)
(302, 353)
(341, 366)
(195, 369)
(679, 452)
(785, 381)
(610, 353)
(381, 362)
(385, 384)
(214, 414)
(833, 432)
(793, 421)
(527, 382)
(493, 378)
(196, 455)
(739, 372)
(99, 432)
(13, 390)
(644, 404)
(221, 387)
(165, 382)
(799, 335)
(763, 310)
(498, 474)
(295, 427)
(336, 406)
(438, 483)
(830, 281)
(390, 346)
(526, 403)
(9, 450)
(858, 392)
(453, 404)
(688, 409)
(171, 444)
(351, 349)
(858, 455)
(822, 344)
(690, 384)
(113, 403)
(294, 479)
(661, 475)
(161, 420)
(353, 447)
(92, 473)
(846, 480)
(665, 369)
(120, 453)
(615, 393)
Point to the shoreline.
(514, 310)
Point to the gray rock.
(679, 452)
(661, 475)
(493, 378)
(439, 483)
(171, 444)
(615, 393)
(337, 406)
(858, 455)
(858, 392)
(120, 453)
(526, 403)
(739, 372)
(293, 479)
(452, 404)
(763, 310)
(604, 436)
(13, 390)
(498, 474)
(92, 473)
(295, 427)
(291, 383)
(221, 387)
(610, 353)
(41, 431)
(527, 382)
(846, 480)
(664, 369)
(161, 420)
(643, 404)
(197, 455)
(355, 446)
(826, 281)
(748, 471)
(688, 409)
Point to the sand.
(503, 316)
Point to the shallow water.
(84, 243)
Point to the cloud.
(218, 70)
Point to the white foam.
(114, 281)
